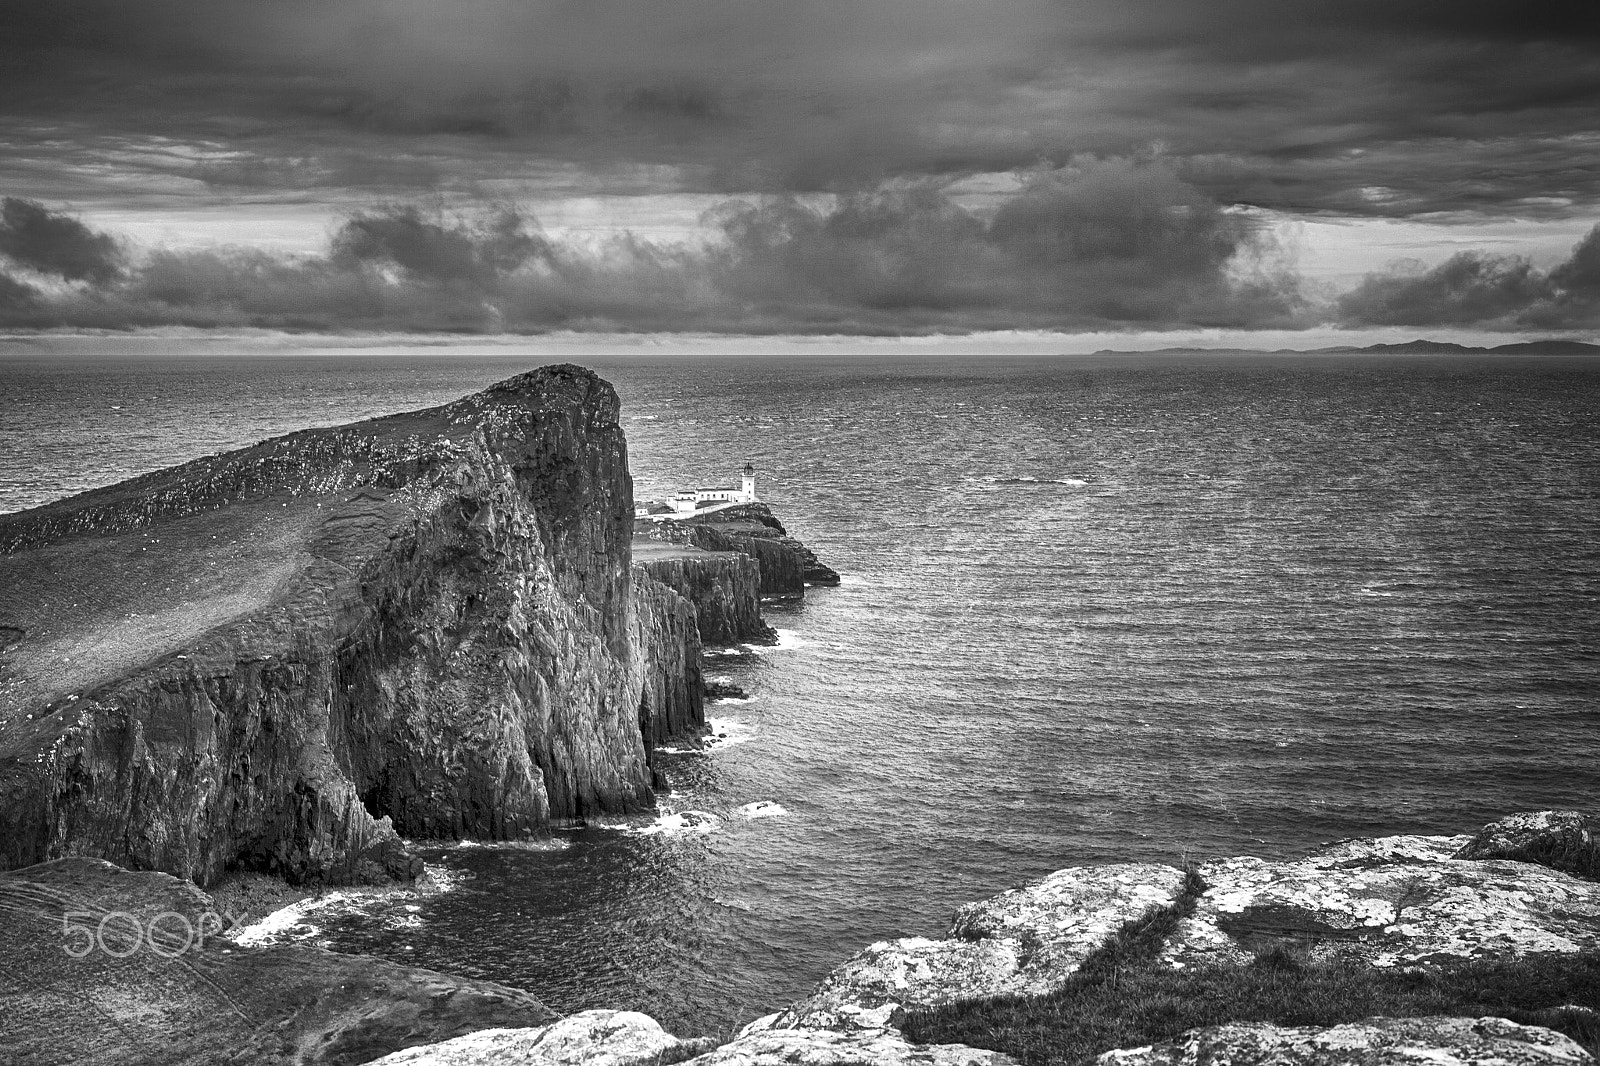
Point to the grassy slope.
(1124, 997)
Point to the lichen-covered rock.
(1027, 942)
(282, 658)
(1389, 901)
(103, 966)
(790, 1047)
(1561, 840)
(588, 1038)
(1427, 1041)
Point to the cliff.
(786, 566)
(281, 658)
(724, 586)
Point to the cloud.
(1112, 244)
(1477, 289)
(16, 298)
(434, 250)
(51, 243)
(1389, 108)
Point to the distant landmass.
(1416, 347)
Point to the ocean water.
(1095, 609)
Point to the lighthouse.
(747, 487)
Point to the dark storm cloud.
(50, 243)
(1476, 289)
(1392, 108)
(1113, 245)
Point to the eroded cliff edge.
(284, 657)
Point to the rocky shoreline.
(1404, 905)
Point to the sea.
(1095, 609)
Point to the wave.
(293, 924)
(289, 923)
(670, 823)
(762, 809)
(787, 638)
(540, 844)
(1076, 482)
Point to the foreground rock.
(624, 1038)
(821, 1048)
(1025, 942)
(280, 658)
(165, 998)
(1385, 902)
(1561, 840)
(1391, 901)
(588, 1038)
(1400, 900)
(1436, 1041)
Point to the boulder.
(1561, 840)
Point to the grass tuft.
(1123, 996)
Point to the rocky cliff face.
(668, 629)
(279, 658)
(724, 586)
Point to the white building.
(700, 499)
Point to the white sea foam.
(787, 638)
(762, 809)
(669, 823)
(551, 843)
(726, 732)
(289, 923)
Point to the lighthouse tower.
(747, 488)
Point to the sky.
(866, 167)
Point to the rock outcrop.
(1400, 900)
(1403, 901)
(1439, 1041)
(786, 565)
(588, 1038)
(1561, 840)
(108, 967)
(1025, 942)
(625, 1038)
(281, 657)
